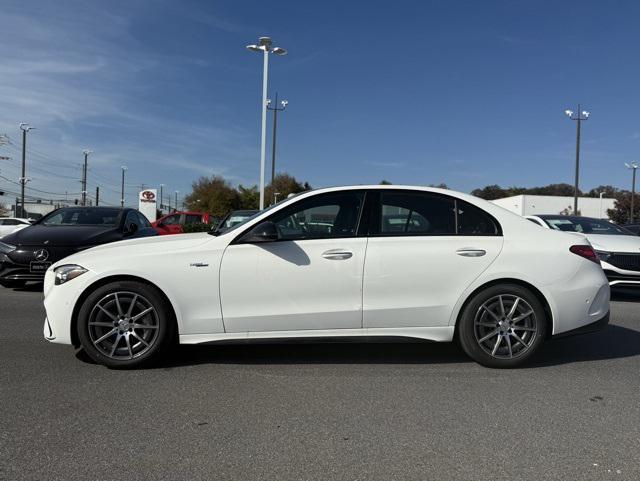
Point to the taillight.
(585, 251)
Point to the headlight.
(68, 272)
(6, 248)
(603, 256)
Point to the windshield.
(82, 216)
(585, 225)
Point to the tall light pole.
(176, 206)
(264, 46)
(124, 168)
(633, 166)
(23, 179)
(276, 109)
(580, 116)
(84, 176)
(161, 196)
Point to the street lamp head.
(585, 114)
(268, 101)
(87, 151)
(26, 127)
(632, 165)
(254, 48)
(568, 113)
(279, 51)
(265, 42)
(284, 104)
(123, 167)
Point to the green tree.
(283, 184)
(214, 195)
(384, 182)
(621, 212)
(607, 190)
(249, 197)
(490, 192)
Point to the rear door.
(424, 250)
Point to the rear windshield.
(585, 226)
(82, 216)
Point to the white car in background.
(617, 248)
(12, 224)
(361, 261)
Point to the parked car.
(635, 228)
(617, 248)
(467, 269)
(232, 219)
(172, 223)
(26, 255)
(12, 224)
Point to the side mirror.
(263, 232)
(131, 229)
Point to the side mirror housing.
(263, 232)
(131, 229)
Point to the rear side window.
(193, 219)
(416, 213)
(430, 214)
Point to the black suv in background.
(27, 254)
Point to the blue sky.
(464, 92)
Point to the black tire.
(111, 304)
(492, 306)
(13, 284)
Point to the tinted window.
(144, 222)
(474, 221)
(172, 219)
(83, 216)
(132, 218)
(320, 217)
(416, 213)
(193, 219)
(585, 225)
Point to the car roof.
(569, 217)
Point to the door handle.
(337, 254)
(468, 252)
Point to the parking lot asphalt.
(412, 411)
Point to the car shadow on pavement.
(613, 342)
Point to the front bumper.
(11, 271)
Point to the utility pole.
(23, 179)
(84, 176)
(581, 115)
(122, 188)
(161, 196)
(633, 166)
(176, 206)
(275, 110)
(97, 196)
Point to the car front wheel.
(125, 324)
(502, 326)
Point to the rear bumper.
(587, 328)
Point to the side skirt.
(438, 334)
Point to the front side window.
(132, 218)
(320, 217)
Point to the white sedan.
(617, 248)
(361, 261)
(9, 225)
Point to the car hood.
(62, 236)
(157, 245)
(614, 243)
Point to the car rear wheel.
(125, 324)
(502, 326)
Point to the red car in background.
(172, 223)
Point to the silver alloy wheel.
(123, 325)
(505, 326)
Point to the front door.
(425, 249)
(310, 278)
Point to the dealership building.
(550, 204)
